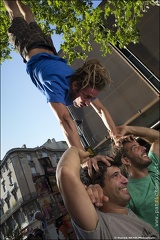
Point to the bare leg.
(12, 9)
(26, 12)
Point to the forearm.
(108, 121)
(105, 116)
(69, 166)
(72, 190)
(148, 134)
(68, 126)
(68, 173)
(71, 133)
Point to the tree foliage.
(112, 22)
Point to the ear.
(126, 161)
(74, 86)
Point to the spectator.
(112, 220)
(142, 169)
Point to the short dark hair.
(121, 150)
(98, 177)
(92, 74)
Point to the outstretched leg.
(16, 8)
(12, 9)
(26, 12)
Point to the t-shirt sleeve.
(101, 231)
(155, 165)
(83, 234)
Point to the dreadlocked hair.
(92, 74)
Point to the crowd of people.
(108, 203)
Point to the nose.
(143, 148)
(124, 179)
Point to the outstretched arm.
(105, 116)
(73, 191)
(68, 126)
(71, 133)
(150, 135)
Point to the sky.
(26, 118)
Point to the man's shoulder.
(155, 165)
(153, 156)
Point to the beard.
(140, 163)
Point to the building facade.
(28, 185)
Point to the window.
(54, 160)
(21, 217)
(4, 186)
(1, 207)
(44, 154)
(8, 203)
(14, 193)
(3, 169)
(1, 211)
(30, 209)
(6, 165)
(29, 157)
(10, 180)
(33, 170)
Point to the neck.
(113, 208)
(135, 172)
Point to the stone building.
(20, 196)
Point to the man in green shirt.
(143, 172)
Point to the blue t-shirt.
(51, 75)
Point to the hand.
(96, 195)
(92, 162)
(122, 131)
(115, 137)
(119, 141)
(84, 156)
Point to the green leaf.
(78, 23)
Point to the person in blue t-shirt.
(61, 85)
